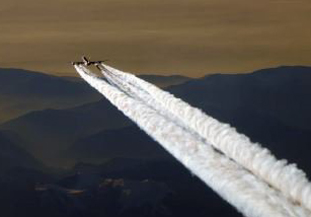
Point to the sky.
(188, 37)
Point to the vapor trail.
(286, 177)
(242, 189)
(143, 96)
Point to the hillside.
(48, 132)
(12, 156)
(130, 142)
(120, 171)
(261, 105)
(281, 92)
(23, 91)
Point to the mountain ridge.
(22, 91)
(13, 156)
(261, 96)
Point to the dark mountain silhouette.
(260, 104)
(121, 187)
(48, 133)
(124, 142)
(230, 98)
(281, 92)
(12, 156)
(284, 141)
(270, 106)
(22, 91)
(165, 81)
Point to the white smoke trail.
(286, 177)
(139, 94)
(239, 187)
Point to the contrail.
(292, 181)
(141, 95)
(242, 189)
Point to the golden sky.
(190, 37)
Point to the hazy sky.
(191, 37)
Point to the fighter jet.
(87, 62)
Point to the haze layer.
(190, 37)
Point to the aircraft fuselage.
(87, 62)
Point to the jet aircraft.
(85, 61)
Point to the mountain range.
(71, 110)
(13, 156)
(64, 149)
(23, 91)
(271, 106)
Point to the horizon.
(76, 75)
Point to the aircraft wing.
(77, 63)
(97, 62)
